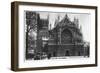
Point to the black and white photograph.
(56, 35)
(53, 36)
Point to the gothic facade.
(65, 39)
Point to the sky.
(84, 21)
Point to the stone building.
(65, 39)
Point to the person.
(49, 56)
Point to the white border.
(46, 63)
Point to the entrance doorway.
(54, 54)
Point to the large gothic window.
(66, 37)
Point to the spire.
(76, 21)
(48, 21)
(48, 16)
(58, 18)
(49, 26)
(80, 28)
(66, 17)
(56, 22)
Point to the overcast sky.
(84, 21)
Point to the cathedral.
(64, 39)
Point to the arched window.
(66, 37)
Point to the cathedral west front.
(65, 39)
